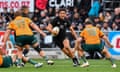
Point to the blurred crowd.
(106, 21)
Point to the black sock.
(38, 49)
(74, 60)
(77, 61)
(25, 51)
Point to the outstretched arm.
(107, 41)
(6, 35)
(34, 26)
(5, 38)
(73, 32)
(49, 28)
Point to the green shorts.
(93, 47)
(25, 39)
(7, 61)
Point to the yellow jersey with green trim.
(21, 26)
(91, 35)
(1, 60)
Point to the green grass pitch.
(66, 66)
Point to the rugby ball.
(56, 29)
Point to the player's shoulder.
(96, 28)
(55, 19)
(11, 22)
(83, 30)
(27, 18)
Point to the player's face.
(62, 14)
(26, 11)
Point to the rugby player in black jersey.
(60, 38)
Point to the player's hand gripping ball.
(55, 31)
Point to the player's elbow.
(104, 37)
(79, 40)
(71, 28)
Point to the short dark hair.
(61, 9)
(89, 21)
(17, 13)
(24, 7)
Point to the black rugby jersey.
(62, 24)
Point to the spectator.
(51, 12)
(114, 26)
(56, 11)
(5, 14)
(75, 10)
(85, 4)
(99, 26)
(69, 15)
(80, 27)
(36, 16)
(83, 14)
(97, 21)
(2, 22)
(108, 16)
(11, 14)
(76, 20)
(42, 19)
(117, 21)
(36, 13)
(36, 21)
(106, 28)
(101, 16)
(116, 15)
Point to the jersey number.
(20, 23)
(92, 32)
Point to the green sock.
(19, 61)
(46, 58)
(111, 60)
(15, 62)
(83, 58)
(32, 62)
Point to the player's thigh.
(59, 42)
(33, 41)
(20, 41)
(7, 61)
(66, 43)
(84, 47)
(88, 47)
(92, 47)
(101, 46)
